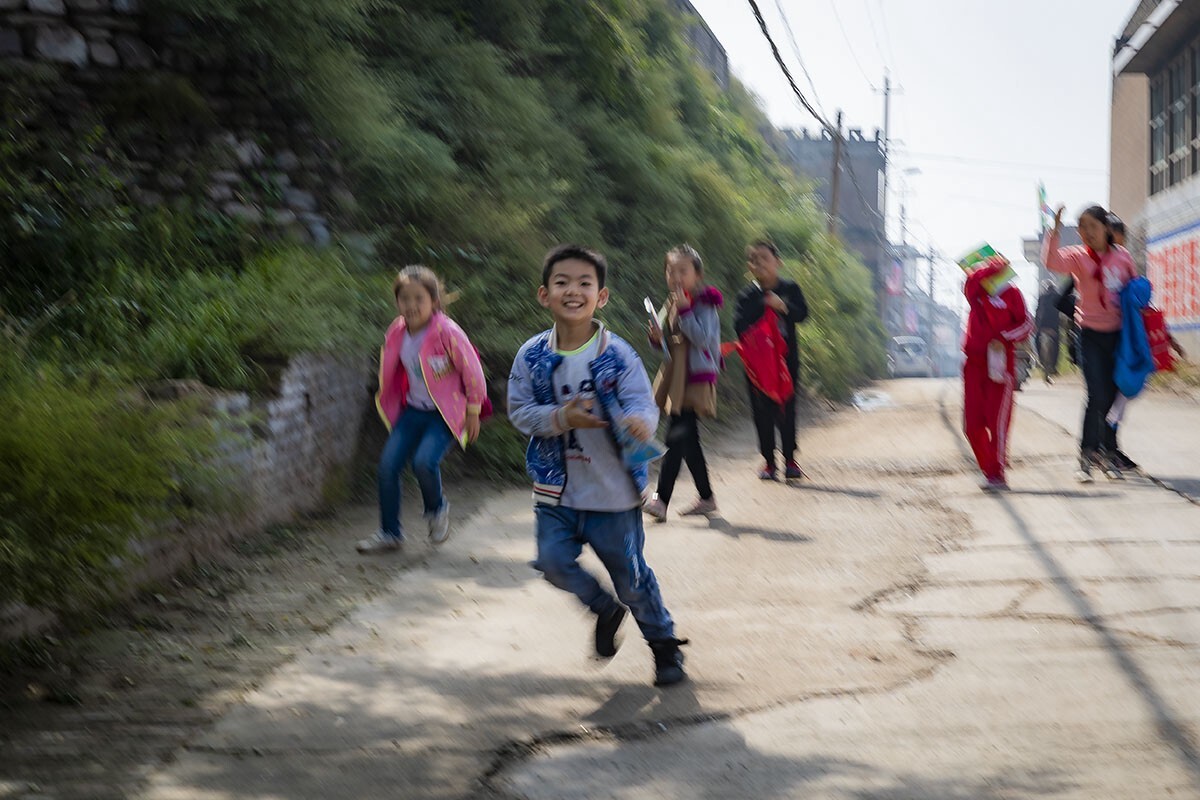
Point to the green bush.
(85, 470)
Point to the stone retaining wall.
(233, 147)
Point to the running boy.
(575, 389)
(787, 301)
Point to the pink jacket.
(1098, 286)
(449, 365)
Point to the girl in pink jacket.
(431, 393)
(1101, 268)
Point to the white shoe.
(439, 524)
(656, 509)
(380, 543)
(701, 508)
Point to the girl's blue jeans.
(617, 537)
(422, 437)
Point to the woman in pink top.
(1101, 268)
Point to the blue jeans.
(617, 538)
(423, 437)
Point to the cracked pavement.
(881, 631)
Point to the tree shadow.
(714, 761)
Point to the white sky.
(1025, 82)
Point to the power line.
(766, 31)
(787, 27)
(874, 33)
(887, 37)
(997, 163)
(849, 46)
(787, 73)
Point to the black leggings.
(1098, 359)
(683, 444)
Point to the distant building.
(859, 212)
(1155, 156)
(705, 44)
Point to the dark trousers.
(1048, 347)
(683, 444)
(769, 415)
(1098, 359)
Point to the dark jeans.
(683, 443)
(1048, 347)
(769, 415)
(423, 437)
(1098, 359)
(617, 538)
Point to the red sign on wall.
(1173, 267)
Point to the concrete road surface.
(883, 630)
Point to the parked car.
(908, 357)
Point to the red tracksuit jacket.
(987, 404)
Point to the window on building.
(1158, 134)
(1175, 120)
(1195, 100)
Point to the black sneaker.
(607, 625)
(1125, 462)
(668, 661)
(793, 471)
(767, 473)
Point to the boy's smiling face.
(572, 292)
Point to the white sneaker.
(701, 508)
(656, 509)
(380, 543)
(439, 524)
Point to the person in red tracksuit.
(995, 326)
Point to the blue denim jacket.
(622, 391)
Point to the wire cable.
(787, 27)
(849, 46)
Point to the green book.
(981, 254)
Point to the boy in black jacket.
(785, 297)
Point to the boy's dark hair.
(1115, 223)
(766, 243)
(564, 252)
(688, 252)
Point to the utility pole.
(836, 185)
(887, 111)
(932, 304)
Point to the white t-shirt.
(410, 355)
(596, 477)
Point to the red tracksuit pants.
(987, 412)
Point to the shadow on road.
(865, 494)
(715, 762)
(736, 531)
(1170, 730)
